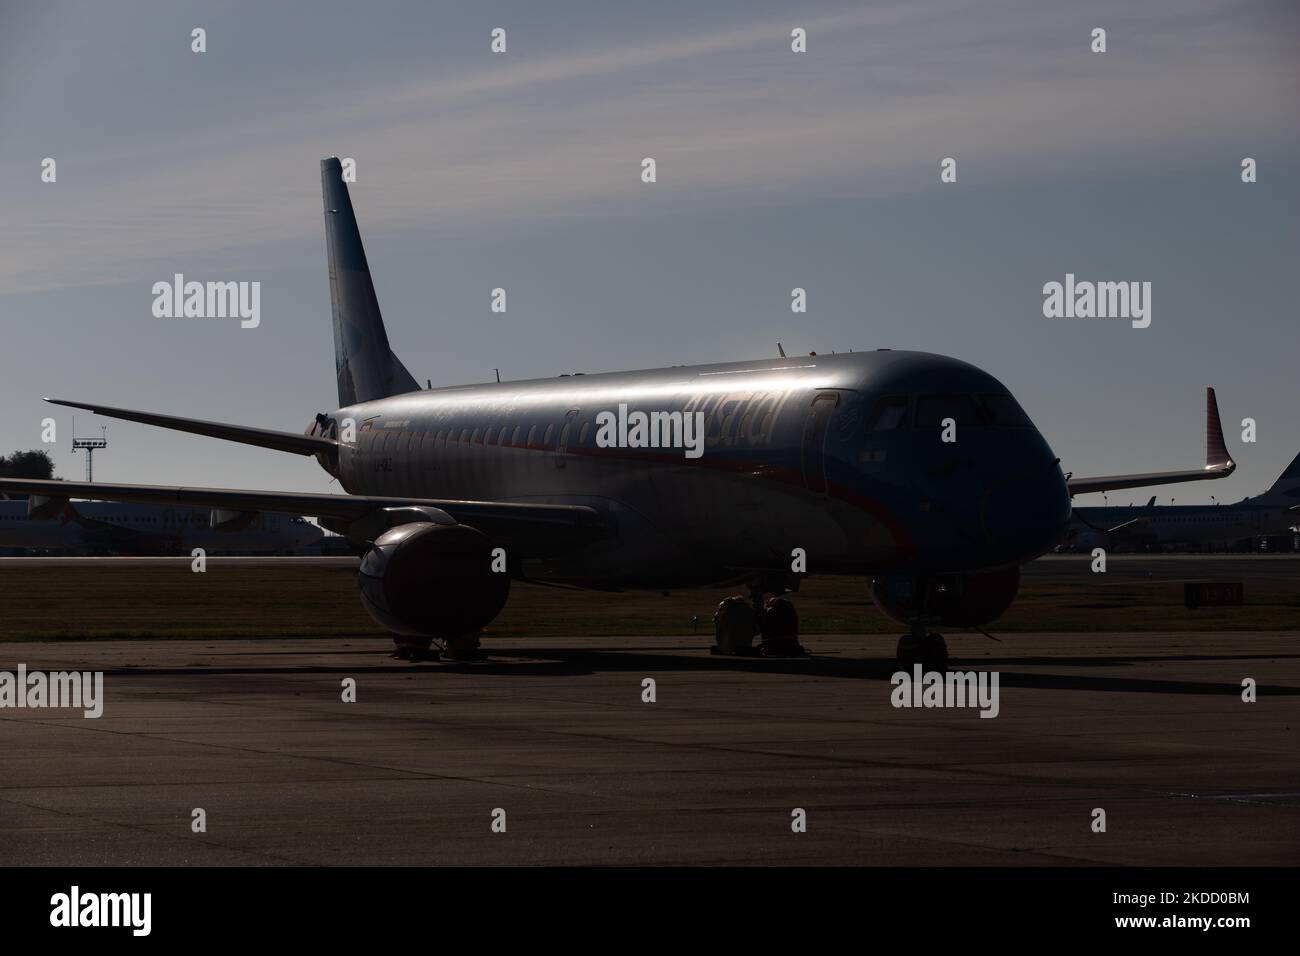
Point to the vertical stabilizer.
(367, 368)
(1286, 490)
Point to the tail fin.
(1216, 452)
(1287, 485)
(367, 368)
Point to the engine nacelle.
(432, 580)
(959, 600)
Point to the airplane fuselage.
(1191, 525)
(842, 456)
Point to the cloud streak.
(729, 113)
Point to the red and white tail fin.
(1218, 463)
(1216, 452)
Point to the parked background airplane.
(1194, 527)
(105, 527)
(918, 471)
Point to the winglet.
(1218, 463)
(1216, 452)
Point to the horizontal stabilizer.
(262, 437)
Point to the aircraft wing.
(1218, 463)
(262, 437)
(538, 527)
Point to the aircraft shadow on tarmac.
(561, 662)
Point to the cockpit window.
(931, 410)
(890, 413)
(1005, 410)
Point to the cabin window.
(519, 430)
(532, 435)
(546, 439)
(584, 434)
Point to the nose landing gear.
(918, 602)
(922, 647)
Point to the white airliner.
(118, 528)
(1190, 527)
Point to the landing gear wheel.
(934, 653)
(779, 627)
(408, 648)
(464, 647)
(931, 652)
(733, 627)
(908, 654)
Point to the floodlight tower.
(89, 444)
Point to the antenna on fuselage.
(498, 371)
(780, 349)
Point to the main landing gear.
(464, 647)
(766, 614)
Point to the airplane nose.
(1025, 514)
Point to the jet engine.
(962, 600)
(431, 580)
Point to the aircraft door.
(815, 427)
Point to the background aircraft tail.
(366, 367)
(1287, 487)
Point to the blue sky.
(776, 170)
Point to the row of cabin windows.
(729, 421)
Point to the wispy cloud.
(729, 114)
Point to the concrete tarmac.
(1151, 728)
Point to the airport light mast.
(89, 444)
